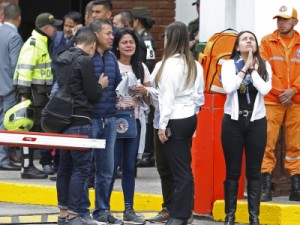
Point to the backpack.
(217, 49)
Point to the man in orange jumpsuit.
(282, 50)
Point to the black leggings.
(239, 135)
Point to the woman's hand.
(140, 89)
(162, 135)
(249, 62)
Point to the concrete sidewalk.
(147, 197)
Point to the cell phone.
(168, 132)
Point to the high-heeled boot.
(230, 196)
(253, 189)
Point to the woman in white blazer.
(246, 79)
(179, 80)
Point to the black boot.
(29, 171)
(253, 201)
(230, 195)
(266, 194)
(146, 161)
(175, 221)
(32, 173)
(295, 191)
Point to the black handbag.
(126, 123)
(57, 114)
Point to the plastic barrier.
(208, 161)
(46, 140)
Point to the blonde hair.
(177, 42)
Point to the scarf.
(239, 64)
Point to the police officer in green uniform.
(33, 80)
(193, 28)
(142, 24)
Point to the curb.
(46, 195)
(270, 213)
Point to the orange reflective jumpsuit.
(285, 62)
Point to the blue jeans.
(6, 102)
(104, 165)
(126, 151)
(73, 171)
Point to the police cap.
(47, 19)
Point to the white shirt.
(231, 83)
(127, 99)
(176, 101)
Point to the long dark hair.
(135, 62)
(262, 71)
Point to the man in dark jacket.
(104, 122)
(75, 67)
(57, 45)
(102, 9)
(61, 38)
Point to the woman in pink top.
(125, 48)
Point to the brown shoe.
(15, 158)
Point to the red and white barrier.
(49, 140)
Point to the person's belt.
(245, 113)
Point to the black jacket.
(83, 84)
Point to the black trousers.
(149, 145)
(241, 135)
(164, 172)
(46, 154)
(178, 154)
